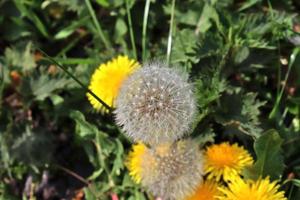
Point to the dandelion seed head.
(164, 100)
(178, 170)
(170, 171)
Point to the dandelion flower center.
(262, 189)
(225, 160)
(107, 79)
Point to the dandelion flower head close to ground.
(156, 104)
(107, 79)
(208, 190)
(226, 161)
(135, 160)
(170, 171)
(262, 189)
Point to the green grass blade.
(76, 61)
(75, 79)
(278, 98)
(33, 17)
(169, 47)
(69, 46)
(131, 30)
(98, 26)
(145, 22)
(1, 83)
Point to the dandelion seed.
(262, 189)
(107, 79)
(170, 171)
(226, 161)
(166, 104)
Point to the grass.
(241, 57)
(144, 33)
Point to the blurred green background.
(242, 55)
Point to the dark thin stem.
(75, 79)
(78, 177)
(75, 175)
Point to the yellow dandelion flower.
(262, 189)
(208, 190)
(226, 161)
(107, 79)
(134, 161)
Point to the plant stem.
(169, 48)
(69, 46)
(102, 161)
(131, 30)
(1, 83)
(78, 177)
(98, 26)
(146, 14)
(279, 96)
(75, 79)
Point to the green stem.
(102, 161)
(69, 46)
(1, 84)
(75, 79)
(131, 30)
(146, 14)
(169, 47)
(278, 98)
(291, 192)
(98, 26)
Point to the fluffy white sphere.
(155, 104)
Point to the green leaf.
(72, 5)
(209, 88)
(88, 194)
(120, 29)
(207, 136)
(249, 4)
(208, 13)
(33, 17)
(239, 112)
(184, 45)
(104, 3)
(84, 129)
(96, 174)
(33, 148)
(118, 161)
(296, 182)
(269, 160)
(44, 86)
(241, 55)
(70, 29)
(56, 99)
(20, 57)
